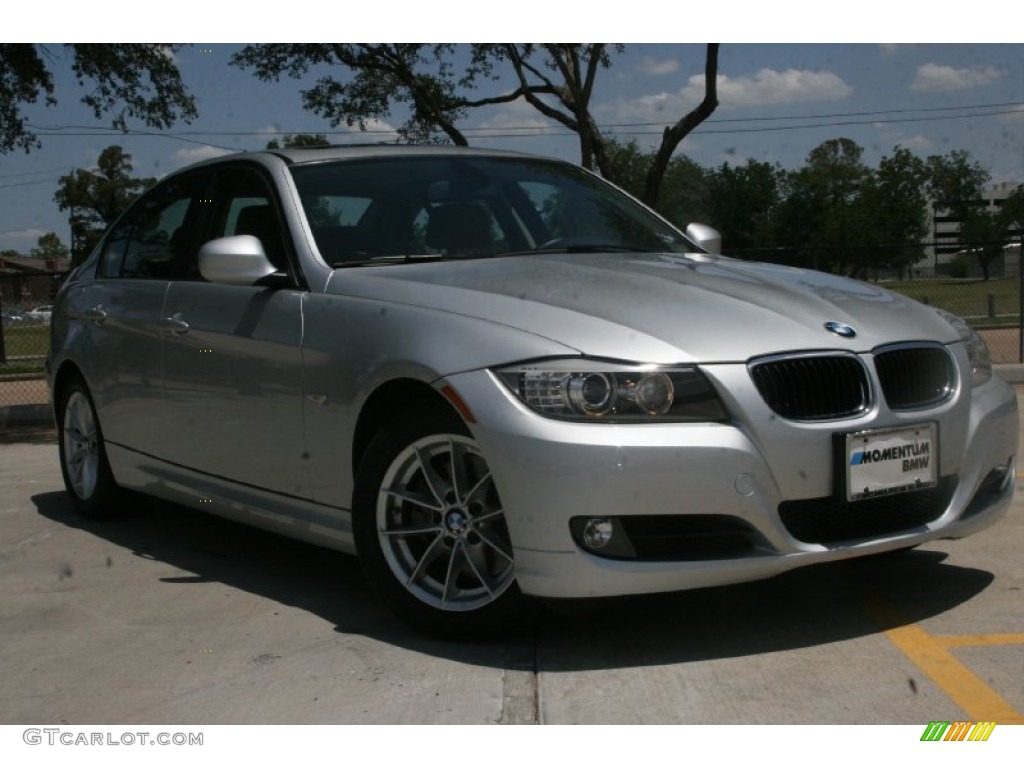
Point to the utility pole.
(1020, 295)
(71, 221)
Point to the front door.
(232, 361)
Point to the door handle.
(176, 324)
(95, 315)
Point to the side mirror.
(236, 260)
(705, 237)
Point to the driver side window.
(154, 239)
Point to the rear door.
(121, 313)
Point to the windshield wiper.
(396, 258)
(583, 248)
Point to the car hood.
(657, 308)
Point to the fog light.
(597, 532)
(602, 536)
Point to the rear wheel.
(83, 459)
(431, 530)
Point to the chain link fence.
(992, 307)
(26, 301)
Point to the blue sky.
(777, 102)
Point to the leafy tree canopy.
(955, 182)
(49, 246)
(96, 197)
(288, 141)
(557, 80)
(125, 80)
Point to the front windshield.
(401, 208)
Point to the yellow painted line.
(963, 641)
(931, 656)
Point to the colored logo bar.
(959, 730)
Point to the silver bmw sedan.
(495, 377)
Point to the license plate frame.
(887, 461)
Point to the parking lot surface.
(166, 615)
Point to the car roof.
(309, 155)
(354, 151)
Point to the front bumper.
(549, 472)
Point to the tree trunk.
(676, 133)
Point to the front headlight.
(977, 352)
(592, 390)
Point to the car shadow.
(808, 607)
(811, 606)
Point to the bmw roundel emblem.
(840, 329)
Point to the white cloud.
(891, 48)
(916, 143)
(653, 108)
(769, 87)
(195, 154)
(518, 117)
(935, 78)
(22, 240)
(651, 66)
(373, 125)
(1015, 114)
(31, 234)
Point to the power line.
(32, 173)
(1017, 104)
(26, 183)
(104, 131)
(525, 131)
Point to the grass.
(22, 367)
(967, 298)
(26, 340)
(31, 342)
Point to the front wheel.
(431, 530)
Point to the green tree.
(558, 80)
(299, 140)
(378, 76)
(955, 185)
(684, 193)
(49, 246)
(824, 213)
(896, 210)
(955, 182)
(96, 197)
(1012, 212)
(986, 234)
(741, 202)
(127, 80)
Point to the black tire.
(431, 533)
(83, 456)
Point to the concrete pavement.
(170, 616)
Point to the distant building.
(947, 242)
(26, 282)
